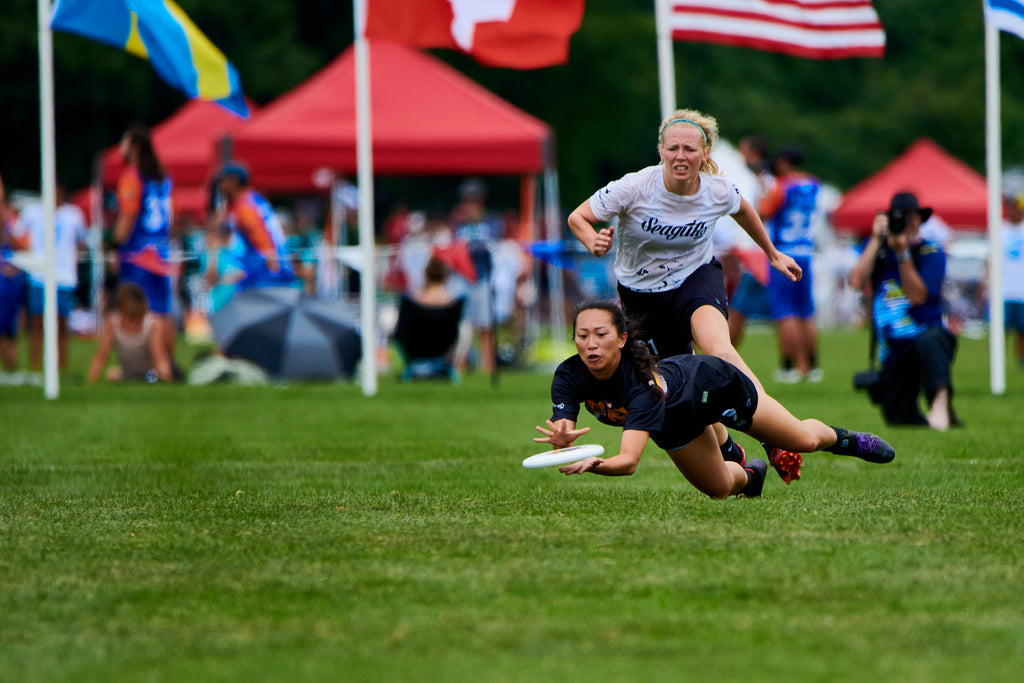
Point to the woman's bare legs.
(700, 461)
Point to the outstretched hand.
(787, 265)
(581, 466)
(559, 435)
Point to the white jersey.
(1013, 261)
(69, 232)
(662, 237)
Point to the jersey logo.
(695, 228)
(606, 410)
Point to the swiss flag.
(519, 34)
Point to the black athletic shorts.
(664, 317)
(717, 391)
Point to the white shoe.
(815, 375)
(783, 376)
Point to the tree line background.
(850, 116)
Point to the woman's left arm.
(748, 219)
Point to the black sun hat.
(905, 202)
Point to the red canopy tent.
(427, 119)
(183, 142)
(957, 193)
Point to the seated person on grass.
(132, 331)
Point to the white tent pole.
(51, 383)
(364, 159)
(666, 63)
(556, 292)
(993, 164)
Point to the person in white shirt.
(69, 236)
(1013, 269)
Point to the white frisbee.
(563, 456)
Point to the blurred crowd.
(186, 268)
(189, 268)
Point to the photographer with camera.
(905, 273)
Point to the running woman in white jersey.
(667, 275)
(668, 278)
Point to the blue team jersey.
(252, 218)
(152, 201)
(791, 226)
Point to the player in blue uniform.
(262, 252)
(143, 227)
(789, 210)
(681, 404)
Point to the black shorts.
(664, 317)
(717, 392)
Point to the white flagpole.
(51, 383)
(666, 63)
(364, 159)
(993, 163)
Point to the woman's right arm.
(582, 222)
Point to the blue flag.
(158, 31)
(1006, 15)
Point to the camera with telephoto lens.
(897, 221)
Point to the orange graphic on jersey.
(603, 409)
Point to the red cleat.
(786, 463)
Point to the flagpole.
(51, 380)
(666, 62)
(993, 163)
(364, 159)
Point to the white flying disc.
(563, 456)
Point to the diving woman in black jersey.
(680, 403)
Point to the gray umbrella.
(287, 333)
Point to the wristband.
(902, 256)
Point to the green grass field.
(306, 533)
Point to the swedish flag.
(157, 30)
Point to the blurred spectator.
(905, 273)
(788, 211)
(142, 228)
(435, 289)
(754, 149)
(428, 327)
(479, 230)
(303, 243)
(745, 267)
(425, 238)
(223, 265)
(69, 236)
(397, 224)
(263, 256)
(131, 330)
(1013, 270)
(12, 282)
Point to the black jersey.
(699, 391)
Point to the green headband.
(692, 123)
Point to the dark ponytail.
(636, 350)
(148, 164)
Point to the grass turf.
(168, 533)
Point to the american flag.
(816, 29)
(1006, 15)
